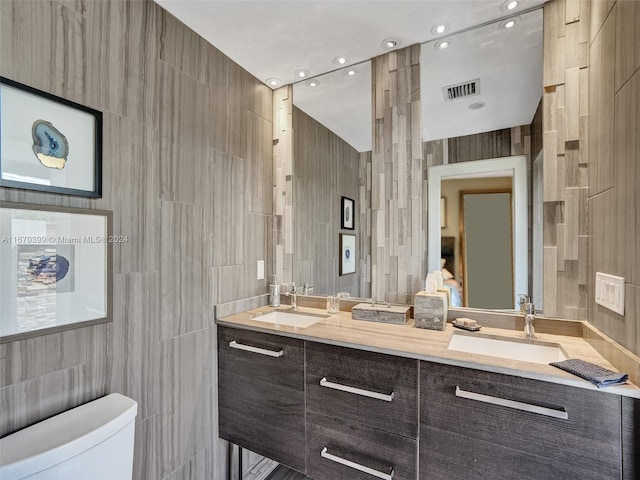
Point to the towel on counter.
(599, 376)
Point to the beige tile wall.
(188, 173)
(325, 169)
(614, 174)
(567, 128)
(397, 213)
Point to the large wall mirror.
(470, 133)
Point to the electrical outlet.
(610, 292)
(260, 270)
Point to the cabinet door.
(482, 425)
(261, 394)
(370, 388)
(338, 449)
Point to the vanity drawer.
(370, 388)
(261, 394)
(338, 449)
(502, 426)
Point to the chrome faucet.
(529, 331)
(293, 295)
(307, 288)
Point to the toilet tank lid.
(66, 435)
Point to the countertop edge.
(622, 390)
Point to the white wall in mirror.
(351, 95)
(517, 166)
(508, 64)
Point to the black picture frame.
(347, 214)
(33, 145)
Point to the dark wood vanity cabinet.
(261, 394)
(482, 425)
(338, 413)
(630, 438)
(362, 414)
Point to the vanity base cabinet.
(339, 449)
(370, 388)
(483, 425)
(630, 438)
(261, 394)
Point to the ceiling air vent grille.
(461, 90)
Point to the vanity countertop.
(430, 345)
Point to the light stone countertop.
(430, 345)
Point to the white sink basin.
(504, 347)
(293, 319)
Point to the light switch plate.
(260, 270)
(610, 292)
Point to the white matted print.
(54, 267)
(347, 254)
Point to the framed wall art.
(48, 143)
(55, 268)
(348, 214)
(347, 254)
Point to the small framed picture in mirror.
(348, 213)
(347, 254)
(443, 212)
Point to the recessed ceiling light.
(302, 73)
(509, 5)
(440, 28)
(272, 82)
(350, 72)
(314, 82)
(341, 60)
(477, 106)
(510, 23)
(442, 44)
(390, 43)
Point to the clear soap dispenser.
(529, 317)
(274, 293)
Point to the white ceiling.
(273, 39)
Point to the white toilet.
(93, 441)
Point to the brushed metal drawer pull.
(358, 391)
(356, 466)
(249, 348)
(527, 407)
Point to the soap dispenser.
(274, 293)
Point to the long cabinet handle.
(356, 466)
(249, 348)
(527, 407)
(358, 391)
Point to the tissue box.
(430, 310)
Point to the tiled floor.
(283, 473)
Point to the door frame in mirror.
(518, 166)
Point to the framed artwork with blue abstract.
(347, 254)
(54, 269)
(48, 143)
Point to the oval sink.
(292, 319)
(505, 347)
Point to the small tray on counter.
(470, 328)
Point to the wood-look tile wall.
(325, 169)
(397, 218)
(283, 202)
(188, 174)
(613, 172)
(566, 128)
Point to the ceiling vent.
(461, 90)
